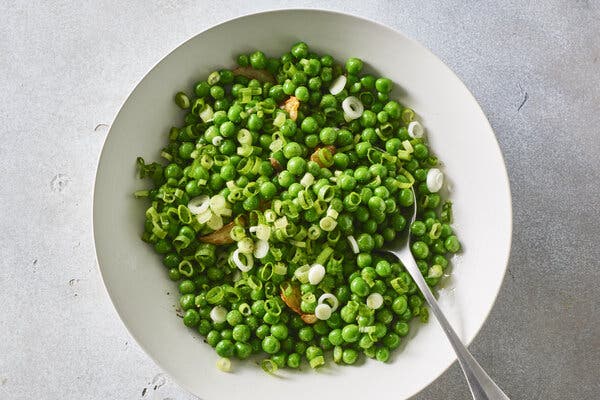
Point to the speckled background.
(65, 69)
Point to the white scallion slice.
(307, 180)
(270, 215)
(323, 312)
(246, 245)
(246, 266)
(353, 107)
(279, 268)
(327, 223)
(435, 180)
(316, 273)
(218, 314)
(207, 113)
(199, 204)
(415, 130)
(217, 203)
(436, 271)
(374, 301)
(204, 216)
(276, 145)
(230, 185)
(337, 85)
(217, 140)
(261, 249)
(215, 222)
(224, 364)
(280, 223)
(332, 213)
(301, 273)
(353, 244)
(263, 232)
(329, 299)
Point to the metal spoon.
(481, 385)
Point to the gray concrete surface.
(66, 67)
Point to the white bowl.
(457, 130)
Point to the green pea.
(420, 151)
(270, 344)
(258, 60)
(234, 317)
(187, 301)
(241, 333)
(289, 87)
(368, 119)
(315, 83)
(299, 78)
(254, 123)
(418, 228)
(364, 260)
(368, 81)
(346, 182)
(383, 268)
(306, 334)
(225, 348)
(354, 65)
(350, 333)
(452, 244)
(341, 161)
(299, 50)
(171, 260)
(393, 109)
(242, 350)
(399, 305)
(328, 135)
(296, 166)
(202, 89)
(292, 149)
(174, 274)
(258, 308)
(383, 85)
(293, 360)
(302, 93)
(309, 125)
(420, 250)
(376, 204)
(228, 147)
(191, 318)
(173, 171)
(406, 198)
(279, 331)
(359, 287)
(187, 286)
(362, 175)
(335, 337)
(262, 331)
(268, 190)
(213, 337)
(227, 129)
(243, 60)
(217, 92)
(365, 242)
(313, 352)
(349, 356)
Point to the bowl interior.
(457, 129)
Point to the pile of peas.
(314, 181)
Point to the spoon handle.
(481, 385)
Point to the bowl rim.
(413, 41)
